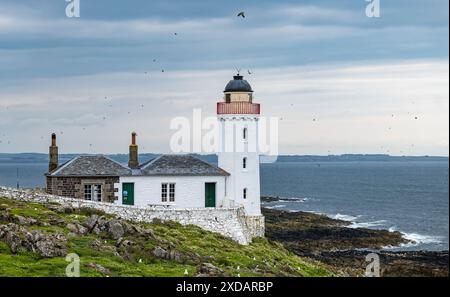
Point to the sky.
(339, 81)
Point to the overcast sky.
(340, 82)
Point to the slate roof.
(91, 166)
(164, 165)
(238, 84)
(178, 165)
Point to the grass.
(260, 258)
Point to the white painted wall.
(189, 190)
(230, 131)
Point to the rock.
(159, 252)
(170, 254)
(54, 220)
(124, 243)
(77, 228)
(10, 235)
(13, 241)
(99, 268)
(46, 245)
(26, 221)
(208, 269)
(115, 229)
(99, 246)
(60, 208)
(175, 256)
(6, 216)
(96, 245)
(91, 222)
(102, 223)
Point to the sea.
(406, 196)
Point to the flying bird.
(241, 14)
(249, 72)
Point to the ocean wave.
(344, 217)
(416, 239)
(294, 199)
(422, 239)
(354, 220)
(368, 224)
(276, 206)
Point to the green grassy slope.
(191, 245)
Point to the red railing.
(238, 108)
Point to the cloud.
(352, 107)
(325, 61)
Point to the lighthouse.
(238, 153)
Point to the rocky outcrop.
(46, 245)
(332, 242)
(77, 228)
(169, 254)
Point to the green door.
(128, 193)
(210, 195)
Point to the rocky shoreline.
(344, 249)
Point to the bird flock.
(109, 102)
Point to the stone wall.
(230, 222)
(74, 186)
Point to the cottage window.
(93, 192)
(172, 192)
(164, 192)
(244, 193)
(167, 191)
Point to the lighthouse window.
(227, 98)
(244, 134)
(244, 193)
(244, 163)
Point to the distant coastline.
(123, 158)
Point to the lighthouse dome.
(238, 84)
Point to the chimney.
(133, 161)
(53, 155)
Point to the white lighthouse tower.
(238, 152)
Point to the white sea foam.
(367, 224)
(422, 239)
(416, 238)
(276, 206)
(294, 200)
(344, 217)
